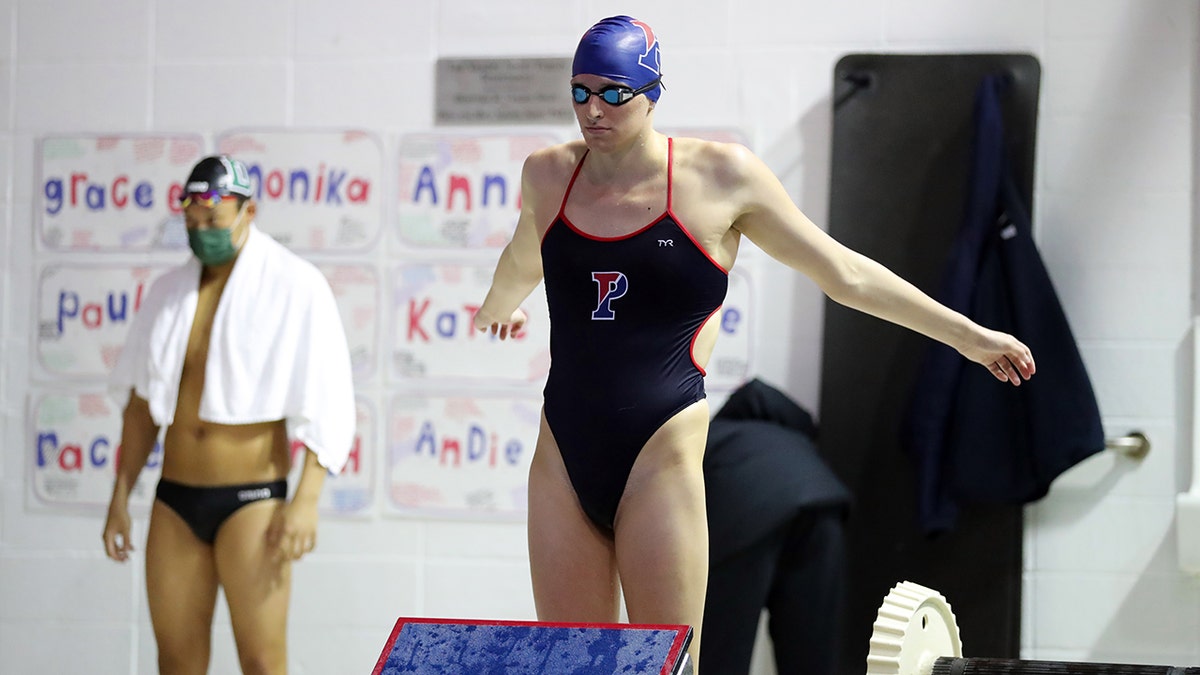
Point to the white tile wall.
(364, 29)
(1139, 153)
(689, 99)
(8, 9)
(975, 26)
(1127, 616)
(5, 166)
(1155, 20)
(28, 528)
(6, 96)
(371, 538)
(1135, 288)
(507, 27)
(772, 24)
(223, 31)
(38, 587)
(6, 276)
(59, 646)
(69, 31)
(369, 593)
(1116, 200)
(1028, 590)
(251, 94)
(336, 649)
(1153, 77)
(484, 589)
(1118, 534)
(367, 94)
(504, 540)
(1100, 222)
(78, 97)
(1134, 380)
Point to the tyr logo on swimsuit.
(611, 285)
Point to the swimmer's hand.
(116, 531)
(1005, 357)
(504, 329)
(293, 529)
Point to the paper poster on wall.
(75, 443)
(113, 193)
(356, 289)
(74, 439)
(84, 313)
(460, 456)
(432, 329)
(317, 191)
(730, 363)
(351, 492)
(461, 190)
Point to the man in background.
(776, 515)
(234, 353)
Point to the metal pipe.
(1133, 445)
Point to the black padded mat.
(902, 126)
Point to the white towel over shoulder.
(277, 350)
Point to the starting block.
(461, 647)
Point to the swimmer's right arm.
(519, 269)
(138, 435)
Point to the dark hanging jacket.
(974, 438)
(761, 468)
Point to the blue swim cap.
(622, 49)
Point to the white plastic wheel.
(913, 629)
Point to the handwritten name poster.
(461, 190)
(351, 492)
(316, 191)
(433, 336)
(460, 455)
(357, 293)
(113, 193)
(73, 446)
(84, 313)
(730, 363)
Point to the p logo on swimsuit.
(611, 285)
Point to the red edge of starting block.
(677, 645)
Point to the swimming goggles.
(206, 199)
(613, 94)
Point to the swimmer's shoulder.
(556, 159)
(715, 163)
(551, 167)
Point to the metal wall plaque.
(503, 91)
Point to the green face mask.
(213, 246)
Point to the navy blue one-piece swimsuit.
(624, 316)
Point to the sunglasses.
(206, 199)
(614, 94)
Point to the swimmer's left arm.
(294, 530)
(769, 217)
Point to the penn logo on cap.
(649, 58)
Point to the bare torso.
(202, 453)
